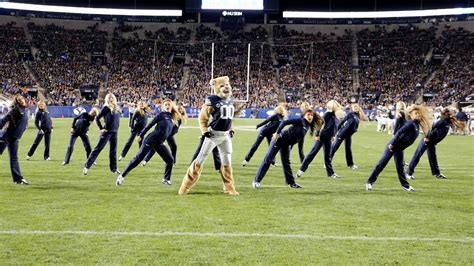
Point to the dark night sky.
(321, 5)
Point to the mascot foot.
(191, 177)
(228, 180)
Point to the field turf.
(66, 218)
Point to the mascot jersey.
(222, 113)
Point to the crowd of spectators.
(147, 69)
(128, 28)
(182, 35)
(231, 59)
(453, 79)
(13, 76)
(54, 41)
(287, 65)
(393, 62)
(315, 67)
(63, 62)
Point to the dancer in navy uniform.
(13, 124)
(437, 133)
(218, 133)
(171, 140)
(80, 127)
(303, 107)
(282, 142)
(111, 114)
(269, 126)
(417, 116)
(462, 124)
(400, 116)
(45, 126)
(346, 128)
(137, 124)
(164, 122)
(324, 139)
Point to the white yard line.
(238, 235)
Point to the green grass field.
(66, 218)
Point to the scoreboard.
(242, 5)
(232, 4)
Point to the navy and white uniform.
(44, 125)
(80, 125)
(399, 122)
(137, 124)
(171, 144)
(325, 138)
(346, 128)
(437, 133)
(288, 138)
(269, 126)
(219, 128)
(112, 123)
(402, 140)
(154, 141)
(11, 138)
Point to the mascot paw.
(233, 193)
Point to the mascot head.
(221, 87)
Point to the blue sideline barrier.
(68, 111)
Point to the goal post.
(247, 83)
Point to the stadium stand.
(432, 63)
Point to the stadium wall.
(152, 26)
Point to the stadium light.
(380, 14)
(232, 4)
(93, 11)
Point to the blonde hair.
(111, 102)
(183, 114)
(95, 111)
(144, 108)
(175, 115)
(305, 106)
(400, 107)
(425, 122)
(42, 106)
(280, 109)
(334, 106)
(358, 110)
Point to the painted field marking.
(238, 235)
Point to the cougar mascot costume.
(218, 132)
